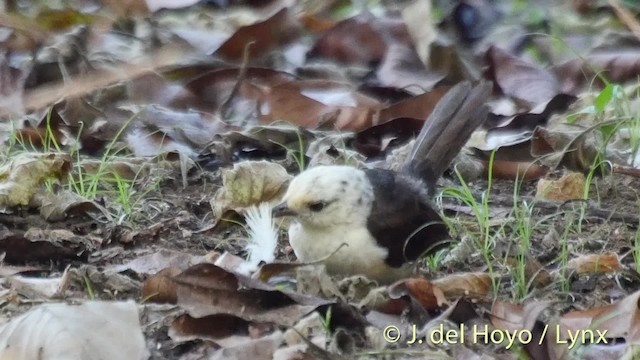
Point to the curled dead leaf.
(422, 291)
(569, 187)
(474, 284)
(249, 183)
(21, 178)
(595, 263)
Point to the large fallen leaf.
(21, 178)
(224, 330)
(160, 287)
(91, 331)
(617, 65)
(263, 36)
(153, 263)
(162, 131)
(57, 206)
(206, 289)
(521, 80)
(523, 320)
(601, 325)
(45, 245)
(40, 288)
(361, 39)
(215, 88)
(318, 103)
(249, 183)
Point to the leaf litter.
(137, 135)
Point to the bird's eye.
(317, 206)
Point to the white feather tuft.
(262, 238)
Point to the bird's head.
(327, 196)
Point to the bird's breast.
(360, 254)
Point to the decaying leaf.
(206, 289)
(155, 262)
(593, 263)
(517, 317)
(615, 321)
(249, 183)
(40, 288)
(568, 187)
(422, 291)
(45, 245)
(464, 284)
(57, 206)
(92, 330)
(21, 178)
(521, 80)
(224, 330)
(160, 287)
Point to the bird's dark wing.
(402, 218)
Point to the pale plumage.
(332, 205)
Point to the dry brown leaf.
(620, 65)
(315, 103)
(41, 288)
(417, 107)
(21, 178)
(161, 131)
(595, 263)
(206, 289)
(464, 284)
(401, 69)
(92, 330)
(361, 39)
(249, 183)
(266, 35)
(599, 324)
(160, 287)
(225, 330)
(59, 205)
(153, 263)
(521, 80)
(213, 88)
(45, 245)
(568, 187)
(422, 291)
(518, 319)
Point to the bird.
(377, 222)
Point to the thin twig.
(225, 109)
(626, 17)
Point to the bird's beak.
(282, 210)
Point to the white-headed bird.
(376, 222)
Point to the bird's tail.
(456, 116)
